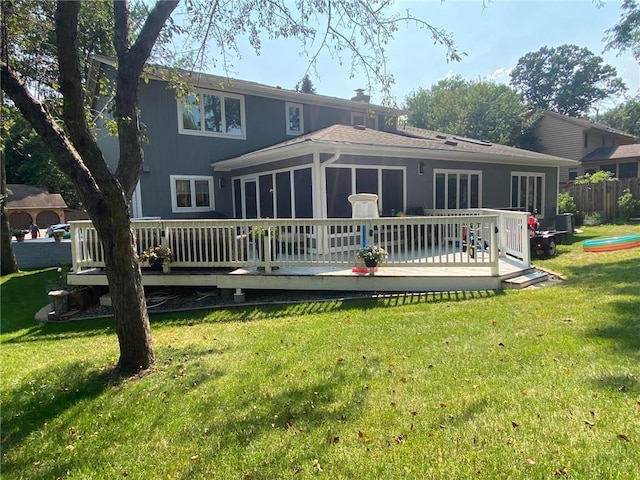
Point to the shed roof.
(29, 196)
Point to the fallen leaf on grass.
(531, 461)
(316, 465)
(561, 472)
(622, 436)
(590, 424)
(195, 458)
(514, 425)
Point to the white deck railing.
(434, 241)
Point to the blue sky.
(493, 37)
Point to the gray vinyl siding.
(168, 152)
(496, 181)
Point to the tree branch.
(54, 137)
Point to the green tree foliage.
(625, 35)
(625, 117)
(567, 79)
(305, 85)
(33, 47)
(475, 109)
(29, 160)
(596, 177)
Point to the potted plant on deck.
(158, 257)
(372, 255)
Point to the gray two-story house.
(240, 149)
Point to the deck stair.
(526, 279)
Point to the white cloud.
(500, 75)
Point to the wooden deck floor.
(386, 279)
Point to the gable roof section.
(28, 196)
(614, 153)
(589, 125)
(407, 143)
(221, 83)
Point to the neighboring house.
(245, 150)
(577, 139)
(623, 161)
(27, 204)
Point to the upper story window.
(212, 113)
(191, 193)
(295, 120)
(369, 121)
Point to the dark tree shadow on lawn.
(46, 395)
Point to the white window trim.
(540, 213)
(365, 116)
(273, 173)
(192, 179)
(287, 106)
(447, 172)
(205, 133)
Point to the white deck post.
(493, 246)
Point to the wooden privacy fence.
(602, 197)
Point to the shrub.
(566, 204)
(596, 177)
(628, 205)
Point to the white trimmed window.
(213, 114)
(457, 189)
(527, 192)
(191, 194)
(369, 121)
(295, 120)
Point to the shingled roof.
(614, 153)
(28, 196)
(408, 142)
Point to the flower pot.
(155, 265)
(370, 262)
(166, 267)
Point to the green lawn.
(539, 383)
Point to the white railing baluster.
(441, 240)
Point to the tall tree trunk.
(8, 262)
(105, 195)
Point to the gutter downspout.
(320, 198)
